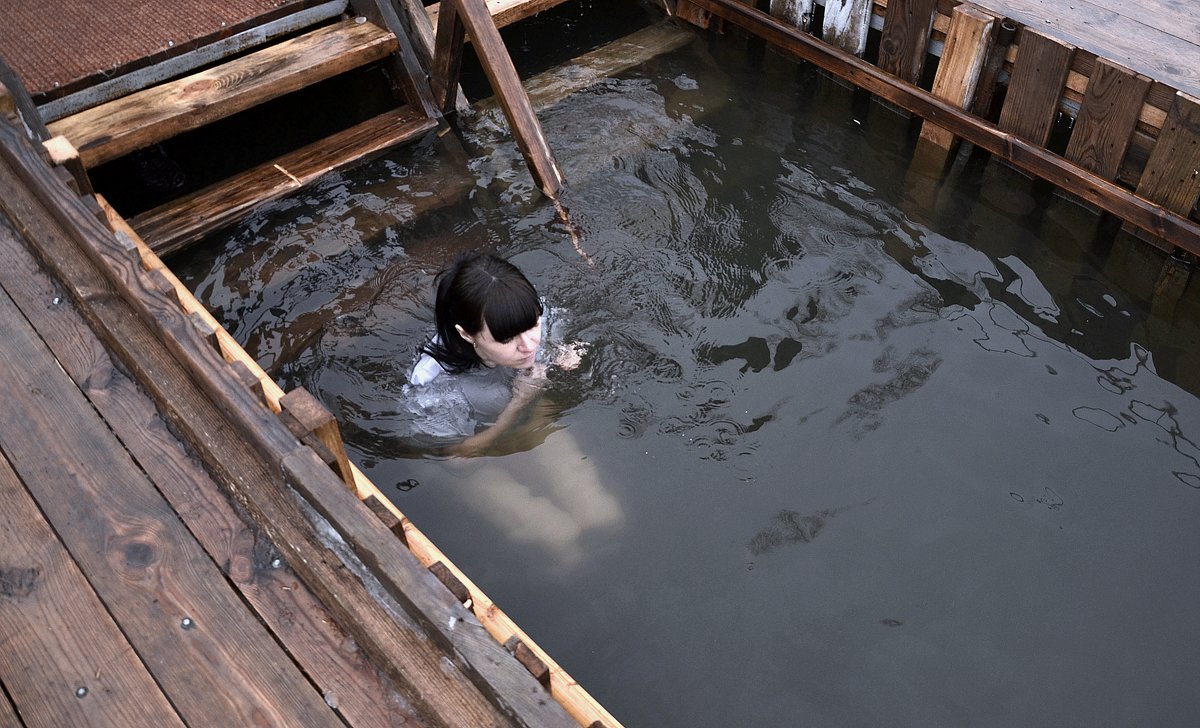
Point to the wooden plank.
(1032, 158)
(797, 13)
(1035, 87)
(317, 419)
(176, 609)
(230, 452)
(1172, 175)
(132, 122)
(968, 46)
(447, 58)
(309, 632)
(905, 40)
(404, 66)
(179, 223)
(138, 79)
(846, 24)
(498, 67)
(503, 12)
(1107, 118)
(8, 714)
(65, 660)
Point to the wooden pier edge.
(1156, 219)
(570, 694)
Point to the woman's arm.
(526, 389)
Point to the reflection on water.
(966, 402)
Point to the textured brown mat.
(59, 46)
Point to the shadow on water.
(848, 446)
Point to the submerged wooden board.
(1107, 118)
(111, 130)
(181, 222)
(1037, 82)
(65, 660)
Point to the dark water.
(848, 448)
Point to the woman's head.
(487, 314)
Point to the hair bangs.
(515, 310)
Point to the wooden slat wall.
(1172, 176)
(65, 661)
(1107, 118)
(845, 24)
(1036, 85)
(967, 49)
(905, 41)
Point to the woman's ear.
(463, 333)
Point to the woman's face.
(515, 353)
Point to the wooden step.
(181, 222)
(114, 129)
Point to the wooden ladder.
(142, 119)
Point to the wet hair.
(475, 289)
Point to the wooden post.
(513, 100)
(686, 10)
(1172, 175)
(64, 154)
(905, 41)
(315, 418)
(1038, 77)
(1107, 118)
(405, 63)
(967, 44)
(797, 13)
(846, 24)
(447, 57)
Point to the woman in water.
(487, 364)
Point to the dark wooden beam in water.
(111, 130)
(181, 222)
(1154, 218)
(498, 67)
(66, 661)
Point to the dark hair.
(475, 289)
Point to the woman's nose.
(527, 341)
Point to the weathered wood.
(503, 12)
(968, 44)
(1036, 85)
(1004, 32)
(797, 13)
(451, 582)
(1030, 157)
(689, 11)
(25, 108)
(179, 223)
(1172, 175)
(447, 58)
(528, 659)
(502, 76)
(8, 714)
(65, 660)
(1107, 118)
(846, 23)
(132, 122)
(140, 78)
(317, 419)
(308, 631)
(390, 520)
(62, 153)
(174, 606)
(905, 40)
(404, 65)
(389, 637)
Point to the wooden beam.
(63, 154)
(1030, 157)
(1107, 118)
(797, 13)
(498, 67)
(66, 661)
(317, 419)
(25, 108)
(111, 130)
(405, 65)
(845, 24)
(968, 45)
(1036, 85)
(905, 41)
(503, 12)
(179, 223)
(1172, 175)
(447, 58)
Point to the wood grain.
(181, 222)
(1037, 83)
(447, 58)
(905, 40)
(1032, 158)
(132, 122)
(846, 23)
(503, 12)
(1107, 118)
(308, 631)
(147, 568)
(65, 660)
(1172, 175)
(391, 639)
(797, 13)
(968, 46)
